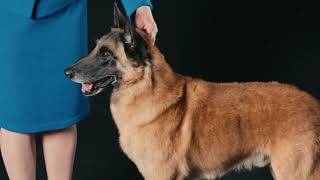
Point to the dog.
(175, 127)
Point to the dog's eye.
(104, 52)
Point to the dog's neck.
(128, 105)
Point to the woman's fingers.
(144, 21)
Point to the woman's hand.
(145, 22)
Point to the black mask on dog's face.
(95, 71)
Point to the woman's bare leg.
(59, 149)
(19, 155)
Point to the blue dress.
(38, 40)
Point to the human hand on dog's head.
(145, 22)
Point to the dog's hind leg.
(293, 160)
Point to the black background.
(221, 41)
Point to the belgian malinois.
(175, 127)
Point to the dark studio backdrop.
(218, 40)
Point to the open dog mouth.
(93, 88)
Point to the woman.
(39, 38)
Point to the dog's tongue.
(86, 87)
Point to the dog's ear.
(119, 20)
(123, 22)
(135, 46)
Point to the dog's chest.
(139, 146)
(139, 140)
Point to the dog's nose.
(69, 72)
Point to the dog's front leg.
(179, 177)
(196, 178)
(164, 175)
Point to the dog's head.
(118, 58)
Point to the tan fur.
(172, 126)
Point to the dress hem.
(50, 126)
